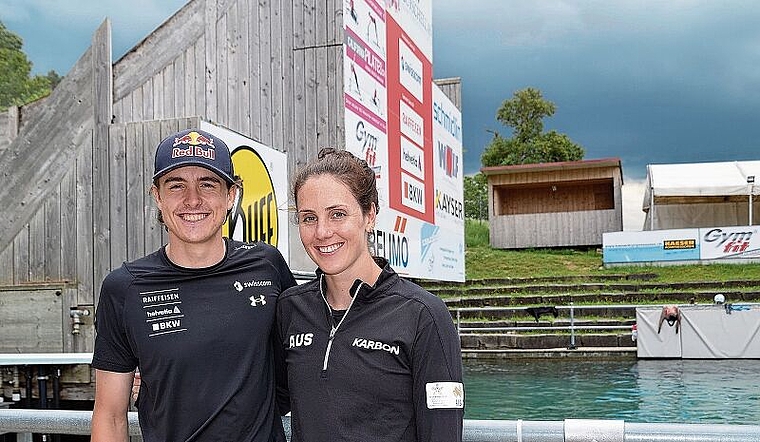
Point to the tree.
(525, 113)
(476, 197)
(16, 85)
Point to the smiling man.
(195, 316)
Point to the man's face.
(193, 202)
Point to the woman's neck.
(339, 286)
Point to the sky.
(646, 81)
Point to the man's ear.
(154, 193)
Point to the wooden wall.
(77, 204)
(554, 208)
(452, 87)
(270, 70)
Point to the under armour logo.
(257, 300)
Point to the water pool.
(677, 391)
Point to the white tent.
(701, 194)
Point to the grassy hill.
(483, 262)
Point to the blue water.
(678, 391)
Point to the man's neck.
(196, 255)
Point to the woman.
(370, 356)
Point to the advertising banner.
(409, 132)
(260, 212)
(734, 243)
(737, 242)
(651, 246)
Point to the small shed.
(560, 204)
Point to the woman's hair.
(355, 173)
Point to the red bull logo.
(193, 144)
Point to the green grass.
(483, 262)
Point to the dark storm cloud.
(649, 82)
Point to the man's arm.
(109, 416)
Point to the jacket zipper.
(334, 328)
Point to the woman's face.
(332, 226)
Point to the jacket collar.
(363, 290)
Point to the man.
(195, 315)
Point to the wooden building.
(560, 204)
(75, 167)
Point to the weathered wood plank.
(234, 75)
(147, 101)
(200, 78)
(158, 95)
(102, 110)
(6, 264)
(211, 74)
(254, 63)
(452, 88)
(159, 48)
(323, 97)
(135, 192)
(287, 73)
(40, 156)
(222, 44)
(138, 107)
(311, 133)
(151, 133)
(167, 96)
(276, 48)
(36, 243)
(88, 293)
(68, 226)
(334, 22)
(242, 63)
(322, 18)
(118, 201)
(335, 109)
(188, 105)
(53, 216)
(265, 71)
(310, 23)
(21, 256)
(179, 85)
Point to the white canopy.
(730, 178)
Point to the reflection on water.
(679, 391)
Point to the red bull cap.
(193, 147)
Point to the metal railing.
(571, 308)
(26, 421)
(572, 327)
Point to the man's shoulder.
(128, 271)
(256, 249)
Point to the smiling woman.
(364, 347)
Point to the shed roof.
(545, 167)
